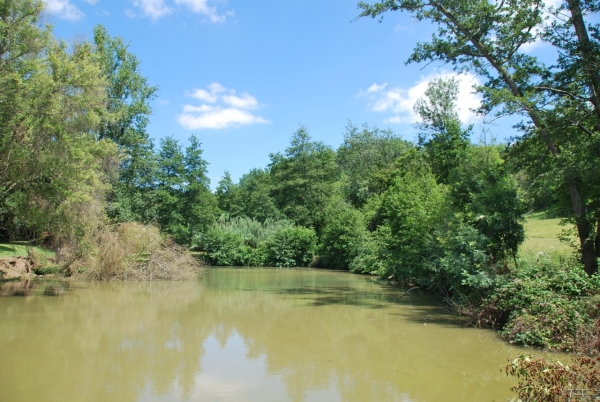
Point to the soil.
(16, 267)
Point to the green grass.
(21, 249)
(541, 236)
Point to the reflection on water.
(243, 335)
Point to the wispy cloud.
(397, 102)
(202, 7)
(221, 108)
(64, 9)
(154, 9)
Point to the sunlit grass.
(8, 250)
(541, 236)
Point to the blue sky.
(243, 75)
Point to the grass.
(21, 249)
(541, 236)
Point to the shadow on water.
(323, 288)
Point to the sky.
(244, 75)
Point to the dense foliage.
(247, 242)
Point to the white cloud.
(206, 96)
(245, 101)
(376, 88)
(64, 9)
(233, 110)
(399, 101)
(152, 8)
(202, 7)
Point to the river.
(239, 334)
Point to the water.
(244, 335)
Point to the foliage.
(184, 202)
(441, 134)
(364, 158)
(560, 104)
(413, 208)
(302, 179)
(546, 303)
(292, 247)
(244, 241)
(343, 232)
(251, 197)
(55, 174)
(553, 381)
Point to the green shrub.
(343, 232)
(222, 248)
(47, 270)
(245, 242)
(292, 247)
(547, 303)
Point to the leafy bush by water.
(546, 304)
(245, 242)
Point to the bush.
(553, 381)
(246, 242)
(292, 247)
(547, 303)
(342, 234)
(132, 251)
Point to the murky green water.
(244, 335)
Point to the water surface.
(244, 335)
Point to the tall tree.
(363, 156)
(53, 174)
(185, 204)
(199, 203)
(441, 134)
(487, 37)
(125, 121)
(303, 178)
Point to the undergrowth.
(132, 251)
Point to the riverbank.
(128, 251)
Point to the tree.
(363, 156)
(227, 194)
(185, 204)
(302, 179)
(170, 188)
(128, 103)
(124, 121)
(199, 203)
(53, 173)
(254, 198)
(487, 37)
(441, 134)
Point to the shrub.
(553, 381)
(243, 241)
(132, 251)
(547, 303)
(342, 234)
(292, 247)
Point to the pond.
(240, 334)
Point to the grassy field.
(541, 235)
(8, 250)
